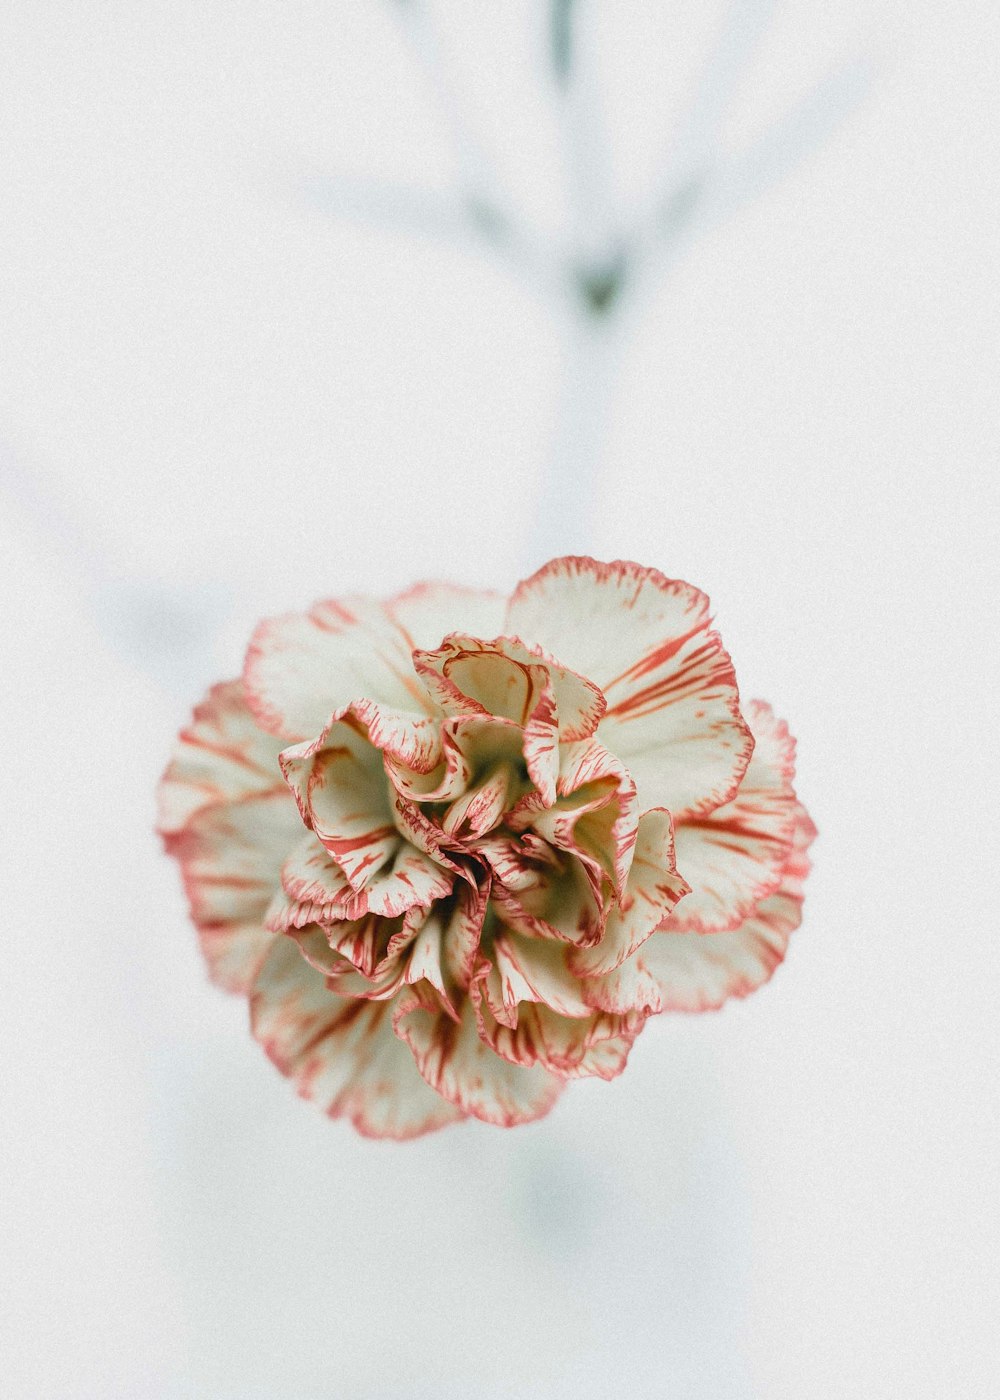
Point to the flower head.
(456, 849)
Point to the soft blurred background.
(304, 296)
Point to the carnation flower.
(456, 849)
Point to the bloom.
(457, 849)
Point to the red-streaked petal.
(564, 905)
(734, 857)
(481, 808)
(460, 1066)
(314, 946)
(315, 890)
(522, 969)
(673, 708)
(595, 815)
(412, 879)
(341, 1053)
(594, 1045)
(230, 856)
(700, 971)
(302, 667)
(518, 862)
(653, 888)
(344, 797)
(222, 756)
(425, 834)
(427, 612)
(504, 677)
(310, 875)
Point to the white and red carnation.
(455, 849)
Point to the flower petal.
(344, 797)
(427, 612)
(310, 875)
(734, 857)
(595, 814)
(303, 666)
(654, 887)
(230, 856)
(521, 969)
(341, 1053)
(412, 879)
(506, 678)
(673, 708)
(594, 1045)
(700, 971)
(221, 756)
(459, 1065)
(564, 905)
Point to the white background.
(222, 395)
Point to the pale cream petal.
(341, 1053)
(459, 1065)
(734, 857)
(673, 708)
(653, 889)
(427, 612)
(699, 971)
(221, 756)
(504, 677)
(344, 796)
(302, 667)
(230, 856)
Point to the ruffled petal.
(343, 795)
(411, 880)
(230, 856)
(700, 971)
(564, 905)
(521, 969)
(427, 612)
(673, 707)
(221, 756)
(596, 1045)
(654, 887)
(315, 889)
(341, 1053)
(303, 666)
(735, 856)
(460, 1066)
(594, 815)
(310, 875)
(506, 678)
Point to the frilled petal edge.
(673, 713)
(341, 1052)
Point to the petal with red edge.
(506, 678)
(427, 612)
(310, 875)
(595, 1045)
(341, 1053)
(455, 1061)
(564, 905)
(230, 856)
(524, 969)
(344, 797)
(673, 708)
(654, 887)
(734, 857)
(595, 815)
(220, 757)
(700, 971)
(302, 667)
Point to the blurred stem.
(561, 39)
(564, 511)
